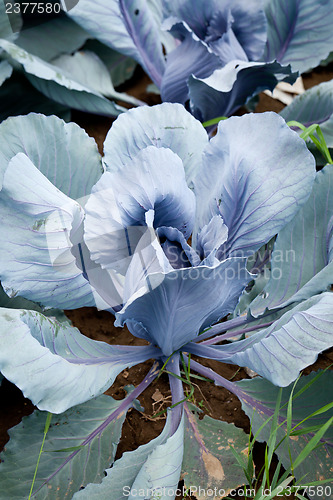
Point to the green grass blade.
(46, 428)
(261, 496)
(312, 443)
(241, 464)
(309, 131)
(324, 145)
(294, 123)
(300, 496)
(276, 476)
(306, 430)
(214, 121)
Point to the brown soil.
(215, 401)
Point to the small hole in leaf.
(136, 12)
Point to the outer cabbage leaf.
(314, 106)
(158, 10)
(167, 126)
(57, 85)
(52, 38)
(299, 32)
(120, 67)
(21, 303)
(67, 430)
(301, 263)
(39, 223)
(208, 458)
(279, 352)
(9, 28)
(83, 100)
(153, 466)
(129, 26)
(258, 397)
(55, 365)
(5, 71)
(56, 148)
(88, 69)
(33, 100)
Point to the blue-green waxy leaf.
(85, 100)
(258, 397)
(301, 263)
(56, 148)
(88, 69)
(167, 126)
(52, 38)
(154, 469)
(57, 84)
(120, 67)
(67, 430)
(9, 27)
(282, 350)
(208, 459)
(163, 467)
(103, 21)
(327, 60)
(314, 106)
(33, 100)
(257, 174)
(40, 223)
(22, 303)
(54, 364)
(291, 343)
(299, 33)
(5, 71)
(129, 26)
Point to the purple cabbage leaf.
(298, 32)
(66, 465)
(128, 26)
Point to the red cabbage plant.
(168, 232)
